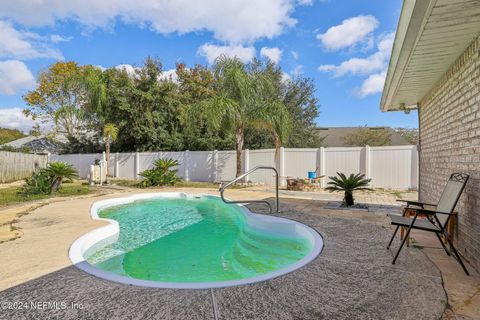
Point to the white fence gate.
(394, 167)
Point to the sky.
(343, 45)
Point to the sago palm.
(348, 185)
(58, 171)
(166, 164)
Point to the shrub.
(348, 185)
(50, 179)
(162, 174)
(39, 183)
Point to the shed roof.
(335, 136)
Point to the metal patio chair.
(437, 215)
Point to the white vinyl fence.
(394, 167)
(16, 165)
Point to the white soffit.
(431, 35)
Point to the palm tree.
(348, 185)
(58, 171)
(110, 134)
(243, 99)
(273, 114)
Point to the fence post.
(186, 165)
(414, 161)
(283, 181)
(215, 165)
(321, 165)
(137, 165)
(367, 168)
(246, 154)
(117, 165)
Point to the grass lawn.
(10, 195)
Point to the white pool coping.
(110, 232)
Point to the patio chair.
(437, 215)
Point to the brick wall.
(450, 142)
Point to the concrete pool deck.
(352, 278)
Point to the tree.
(298, 95)
(110, 134)
(59, 97)
(273, 115)
(410, 134)
(241, 100)
(348, 185)
(144, 107)
(364, 136)
(35, 131)
(251, 105)
(7, 135)
(194, 85)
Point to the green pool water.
(191, 240)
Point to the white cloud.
(305, 2)
(297, 70)
(234, 21)
(212, 52)
(127, 67)
(170, 74)
(56, 38)
(13, 118)
(274, 54)
(294, 55)
(14, 77)
(375, 66)
(23, 44)
(286, 77)
(373, 84)
(349, 33)
(364, 66)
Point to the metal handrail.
(223, 187)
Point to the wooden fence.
(16, 166)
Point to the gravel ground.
(352, 278)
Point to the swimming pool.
(175, 240)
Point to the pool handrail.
(225, 186)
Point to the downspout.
(419, 149)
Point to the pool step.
(272, 255)
(248, 260)
(270, 247)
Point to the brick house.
(435, 68)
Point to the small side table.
(450, 226)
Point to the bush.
(162, 174)
(49, 179)
(39, 183)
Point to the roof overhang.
(431, 35)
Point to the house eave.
(431, 34)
